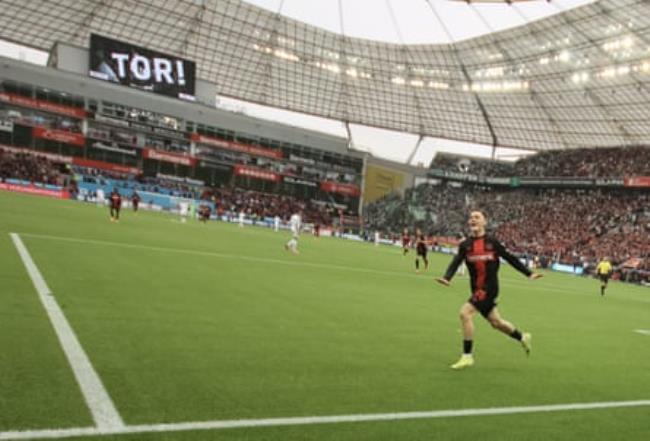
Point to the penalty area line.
(101, 407)
(311, 420)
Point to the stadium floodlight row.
(580, 78)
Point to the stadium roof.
(578, 78)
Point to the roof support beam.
(415, 149)
(459, 60)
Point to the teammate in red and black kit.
(135, 200)
(204, 213)
(420, 251)
(406, 241)
(481, 253)
(115, 200)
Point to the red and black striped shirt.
(481, 255)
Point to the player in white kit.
(276, 223)
(183, 210)
(241, 218)
(295, 224)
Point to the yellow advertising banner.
(381, 181)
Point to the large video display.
(146, 69)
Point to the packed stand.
(596, 163)
(256, 205)
(576, 227)
(123, 181)
(31, 168)
(473, 166)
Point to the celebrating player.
(115, 201)
(481, 253)
(420, 251)
(604, 271)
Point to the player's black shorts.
(422, 251)
(604, 277)
(483, 303)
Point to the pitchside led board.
(135, 66)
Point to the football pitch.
(152, 329)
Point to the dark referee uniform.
(482, 257)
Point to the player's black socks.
(417, 263)
(516, 335)
(467, 347)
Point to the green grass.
(190, 322)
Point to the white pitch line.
(99, 402)
(311, 420)
(643, 331)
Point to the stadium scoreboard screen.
(145, 69)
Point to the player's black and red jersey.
(406, 240)
(481, 254)
(421, 246)
(116, 201)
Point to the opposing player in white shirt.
(183, 210)
(276, 223)
(295, 223)
(241, 218)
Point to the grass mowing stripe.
(99, 402)
(521, 283)
(311, 420)
(222, 255)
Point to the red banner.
(33, 189)
(637, 181)
(335, 187)
(42, 105)
(106, 166)
(237, 147)
(59, 136)
(258, 173)
(174, 158)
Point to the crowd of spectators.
(231, 200)
(228, 200)
(124, 181)
(596, 163)
(576, 227)
(474, 166)
(32, 169)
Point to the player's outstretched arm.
(453, 267)
(514, 261)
